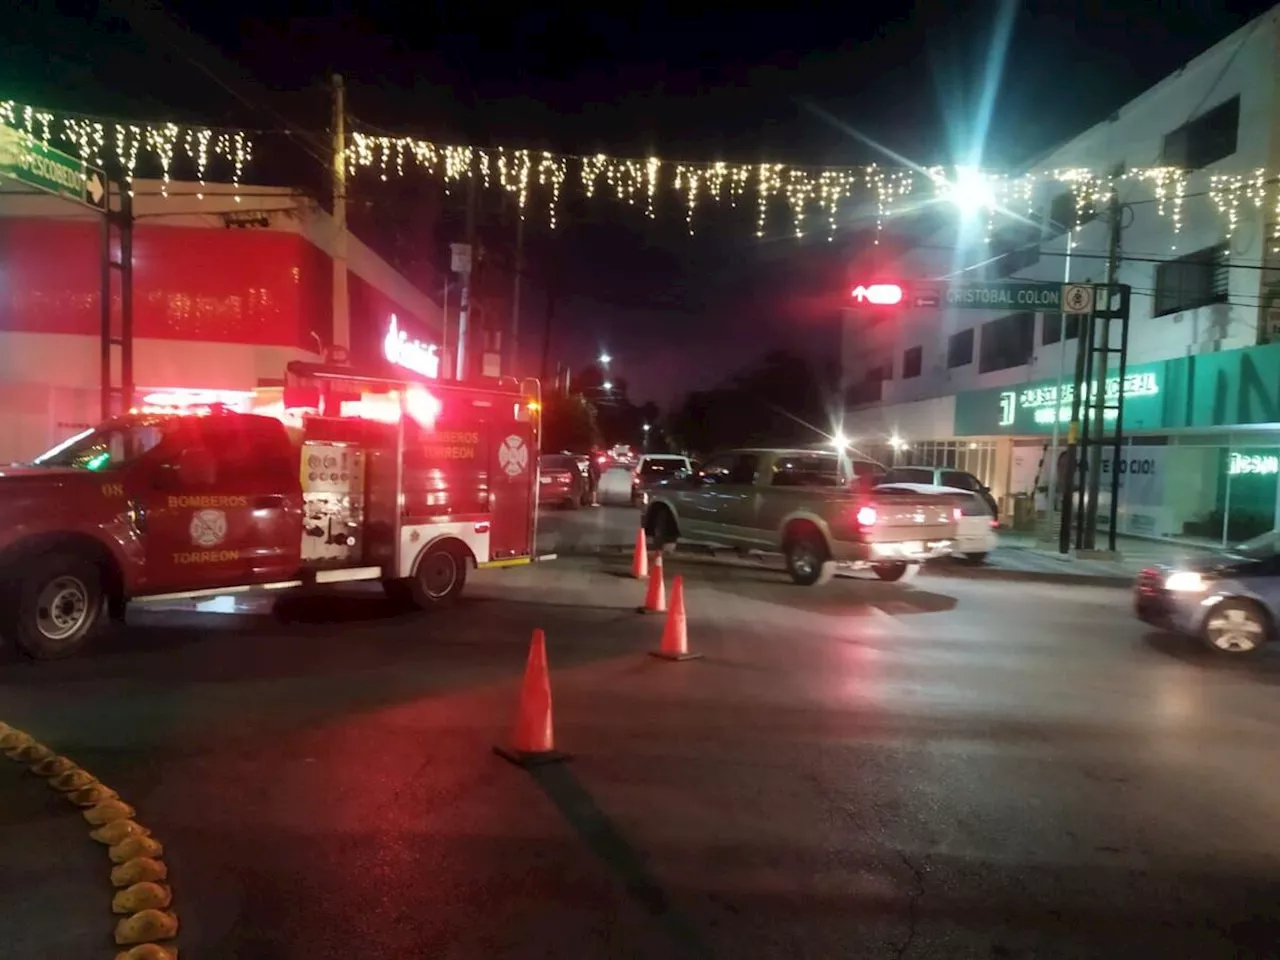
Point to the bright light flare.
(970, 191)
(879, 294)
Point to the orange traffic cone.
(640, 559)
(655, 600)
(533, 741)
(675, 636)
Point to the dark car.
(1230, 600)
(562, 480)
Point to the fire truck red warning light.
(880, 294)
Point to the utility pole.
(341, 336)
(546, 329)
(1098, 389)
(513, 352)
(465, 265)
(1052, 462)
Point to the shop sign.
(1253, 464)
(421, 358)
(1044, 405)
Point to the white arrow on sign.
(94, 187)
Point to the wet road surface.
(945, 768)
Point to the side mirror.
(197, 468)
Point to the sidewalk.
(1022, 553)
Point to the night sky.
(716, 83)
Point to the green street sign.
(1005, 295)
(31, 163)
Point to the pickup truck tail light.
(956, 514)
(994, 523)
(867, 516)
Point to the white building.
(1201, 275)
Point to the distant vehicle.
(975, 530)
(562, 480)
(944, 477)
(1230, 600)
(808, 505)
(654, 467)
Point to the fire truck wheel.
(440, 577)
(59, 606)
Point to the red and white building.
(225, 293)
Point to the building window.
(1194, 280)
(1064, 215)
(1206, 139)
(880, 373)
(1006, 342)
(912, 362)
(1053, 327)
(960, 348)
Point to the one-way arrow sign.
(35, 164)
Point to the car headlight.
(1186, 581)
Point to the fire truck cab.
(354, 478)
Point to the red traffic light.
(880, 294)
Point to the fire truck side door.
(513, 467)
(218, 512)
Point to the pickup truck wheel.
(892, 572)
(440, 577)
(808, 560)
(973, 559)
(58, 606)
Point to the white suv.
(654, 467)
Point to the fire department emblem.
(208, 528)
(513, 456)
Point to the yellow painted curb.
(135, 854)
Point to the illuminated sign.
(1044, 400)
(411, 354)
(881, 294)
(1253, 464)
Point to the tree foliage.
(569, 423)
(777, 400)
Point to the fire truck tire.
(58, 606)
(440, 576)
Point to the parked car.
(562, 480)
(1230, 600)
(945, 477)
(975, 530)
(806, 505)
(653, 467)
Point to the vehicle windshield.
(103, 447)
(1260, 547)
(662, 466)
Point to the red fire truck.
(356, 478)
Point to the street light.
(607, 386)
(604, 359)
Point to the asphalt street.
(949, 767)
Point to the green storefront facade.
(1203, 453)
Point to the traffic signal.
(878, 294)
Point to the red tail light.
(956, 514)
(867, 516)
(994, 523)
